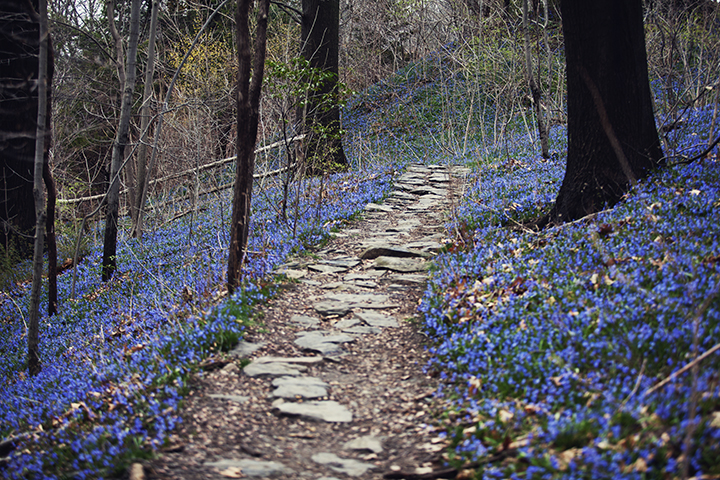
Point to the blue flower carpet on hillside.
(115, 358)
(552, 344)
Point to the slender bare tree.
(109, 262)
(248, 114)
(137, 192)
(33, 357)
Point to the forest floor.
(331, 382)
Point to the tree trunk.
(319, 45)
(109, 262)
(33, 357)
(534, 88)
(248, 114)
(141, 163)
(50, 227)
(19, 34)
(612, 139)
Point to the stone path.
(333, 383)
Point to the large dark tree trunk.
(612, 139)
(320, 45)
(248, 115)
(19, 47)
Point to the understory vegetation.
(563, 353)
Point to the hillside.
(560, 353)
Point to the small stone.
(302, 360)
(366, 276)
(305, 387)
(272, 369)
(326, 411)
(230, 368)
(439, 178)
(389, 251)
(243, 348)
(429, 245)
(362, 330)
(369, 442)
(252, 468)
(332, 307)
(345, 262)
(374, 207)
(326, 345)
(377, 319)
(305, 320)
(411, 278)
(401, 264)
(346, 323)
(399, 194)
(293, 274)
(232, 398)
(327, 269)
(348, 466)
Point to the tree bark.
(535, 92)
(19, 34)
(319, 45)
(109, 262)
(248, 114)
(33, 357)
(612, 139)
(141, 164)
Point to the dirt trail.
(335, 387)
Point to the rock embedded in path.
(390, 251)
(326, 411)
(244, 348)
(273, 369)
(400, 195)
(317, 341)
(348, 466)
(346, 323)
(341, 303)
(290, 360)
(405, 265)
(425, 245)
(332, 307)
(374, 207)
(327, 269)
(305, 320)
(250, 468)
(293, 387)
(425, 190)
(362, 330)
(346, 262)
(377, 319)
(368, 442)
(439, 178)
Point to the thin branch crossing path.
(331, 383)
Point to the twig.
(701, 155)
(635, 388)
(700, 311)
(207, 166)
